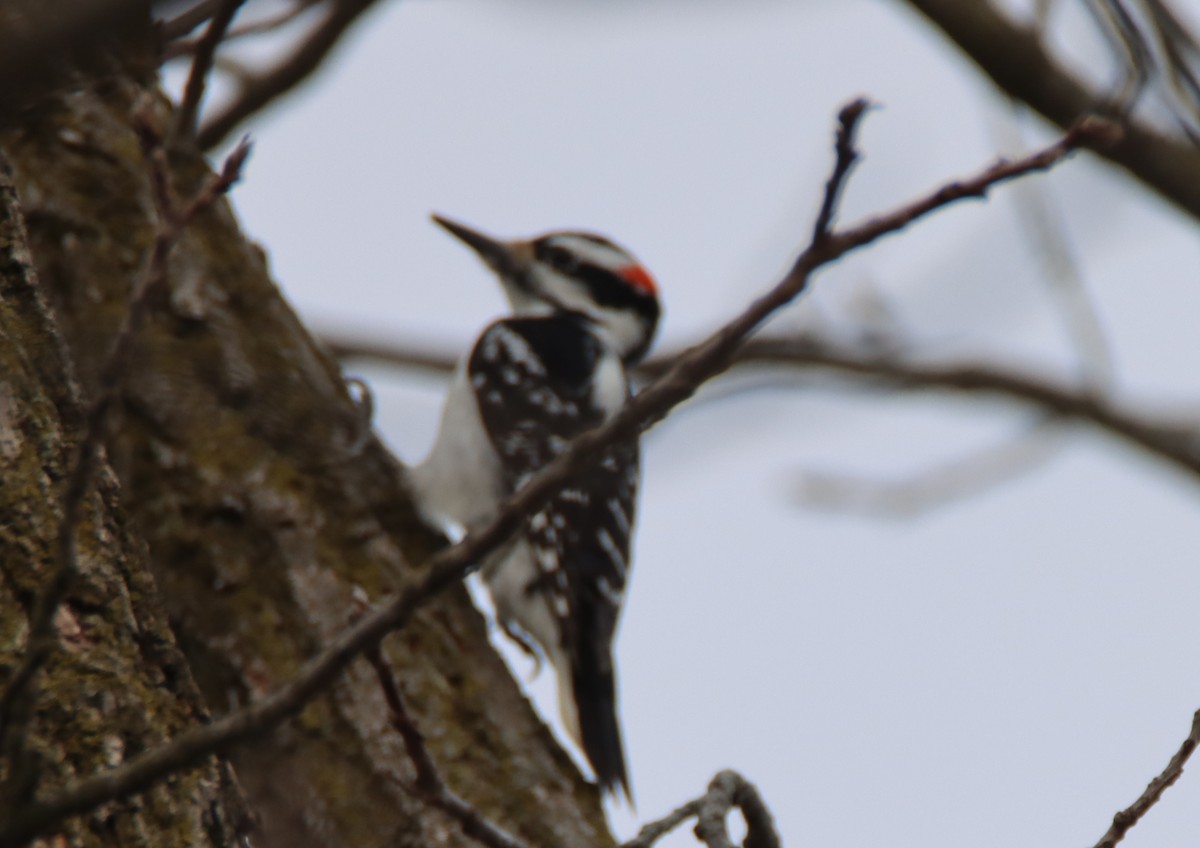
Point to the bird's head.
(573, 272)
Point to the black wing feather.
(587, 526)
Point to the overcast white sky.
(1010, 669)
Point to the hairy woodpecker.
(583, 311)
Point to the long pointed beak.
(503, 257)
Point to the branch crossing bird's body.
(584, 310)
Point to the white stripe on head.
(593, 250)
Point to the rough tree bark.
(117, 684)
(264, 501)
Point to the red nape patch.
(639, 278)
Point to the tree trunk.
(265, 502)
(116, 683)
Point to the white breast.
(459, 482)
(610, 388)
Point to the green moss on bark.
(242, 461)
(115, 684)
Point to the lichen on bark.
(244, 464)
(116, 683)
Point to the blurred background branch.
(1174, 438)
(1017, 58)
(1153, 45)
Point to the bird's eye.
(562, 259)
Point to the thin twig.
(206, 51)
(930, 488)
(1131, 815)
(1177, 43)
(256, 92)
(171, 223)
(656, 830)
(185, 47)
(1014, 54)
(189, 19)
(448, 567)
(429, 780)
(397, 353)
(726, 791)
(1043, 226)
(1133, 55)
(1020, 62)
(430, 786)
(846, 156)
(1174, 441)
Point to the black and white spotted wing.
(535, 384)
(532, 379)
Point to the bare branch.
(1177, 44)
(430, 785)
(1124, 821)
(1135, 58)
(1173, 441)
(931, 488)
(847, 156)
(171, 223)
(1042, 225)
(725, 792)
(257, 91)
(206, 51)
(391, 353)
(1080, 317)
(448, 567)
(185, 47)
(656, 830)
(187, 20)
(1017, 61)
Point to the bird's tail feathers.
(597, 727)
